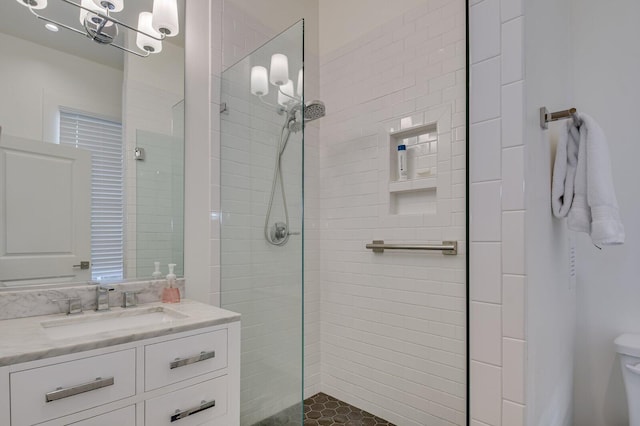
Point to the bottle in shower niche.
(171, 294)
(402, 162)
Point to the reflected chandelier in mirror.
(99, 24)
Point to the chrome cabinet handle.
(181, 362)
(62, 393)
(204, 405)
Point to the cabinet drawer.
(181, 359)
(122, 417)
(57, 390)
(196, 405)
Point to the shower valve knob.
(279, 231)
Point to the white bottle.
(171, 277)
(402, 162)
(156, 274)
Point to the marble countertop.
(25, 339)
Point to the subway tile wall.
(393, 324)
(497, 212)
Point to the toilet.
(628, 346)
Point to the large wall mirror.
(91, 144)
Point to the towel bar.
(546, 117)
(447, 247)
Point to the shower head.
(314, 110)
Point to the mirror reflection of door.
(45, 203)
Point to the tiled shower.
(383, 332)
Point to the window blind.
(103, 139)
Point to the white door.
(45, 212)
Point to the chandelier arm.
(146, 53)
(60, 24)
(114, 20)
(267, 103)
(288, 96)
(84, 34)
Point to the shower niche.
(428, 148)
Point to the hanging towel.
(582, 188)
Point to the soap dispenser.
(171, 294)
(156, 275)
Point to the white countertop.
(25, 339)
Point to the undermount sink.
(92, 323)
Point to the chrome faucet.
(102, 297)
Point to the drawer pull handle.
(181, 362)
(204, 405)
(62, 393)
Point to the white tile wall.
(513, 307)
(486, 208)
(513, 116)
(513, 178)
(485, 341)
(486, 157)
(513, 261)
(512, 413)
(485, 265)
(484, 101)
(484, 25)
(486, 393)
(512, 58)
(513, 352)
(393, 325)
(497, 81)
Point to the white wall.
(605, 67)
(202, 57)
(551, 305)
(393, 324)
(342, 21)
(35, 81)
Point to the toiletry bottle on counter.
(171, 294)
(156, 275)
(402, 162)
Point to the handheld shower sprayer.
(278, 233)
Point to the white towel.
(582, 188)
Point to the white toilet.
(628, 346)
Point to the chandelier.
(100, 25)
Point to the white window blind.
(103, 139)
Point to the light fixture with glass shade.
(289, 97)
(33, 4)
(279, 74)
(259, 81)
(101, 26)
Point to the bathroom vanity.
(151, 365)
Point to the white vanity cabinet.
(183, 379)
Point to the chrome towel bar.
(546, 116)
(447, 247)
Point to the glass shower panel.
(160, 201)
(261, 227)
